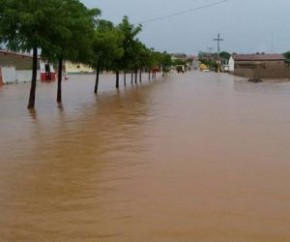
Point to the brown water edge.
(194, 157)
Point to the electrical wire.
(182, 12)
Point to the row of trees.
(67, 30)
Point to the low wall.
(8, 74)
(11, 75)
(25, 76)
(269, 73)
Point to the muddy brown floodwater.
(192, 157)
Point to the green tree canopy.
(107, 47)
(74, 43)
(127, 61)
(107, 44)
(57, 27)
(129, 32)
(68, 30)
(225, 55)
(25, 25)
(287, 56)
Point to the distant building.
(17, 67)
(188, 60)
(77, 68)
(17, 60)
(259, 65)
(178, 56)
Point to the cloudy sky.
(190, 26)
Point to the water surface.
(191, 157)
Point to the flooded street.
(191, 157)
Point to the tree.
(24, 26)
(75, 41)
(136, 61)
(127, 61)
(107, 46)
(225, 56)
(165, 62)
(179, 62)
(287, 58)
(81, 22)
(59, 28)
(209, 59)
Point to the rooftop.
(18, 60)
(258, 57)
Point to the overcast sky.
(247, 26)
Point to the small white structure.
(231, 64)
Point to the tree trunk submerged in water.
(97, 78)
(132, 77)
(149, 75)
(117, 79)
(31, 102)
(136, 76)
(140, 75)
(125, 78)
(59, 81)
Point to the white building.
(231, 64)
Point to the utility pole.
(218, 40)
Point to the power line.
(182, 12)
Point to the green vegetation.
(68, 30)
(287, 57)
(225, 55)
(213, 60)
(208, 59)
(179, 62)
(106, 46)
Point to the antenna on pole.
(218, 40)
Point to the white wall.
(11, 75)
(8, 74)
(25, 76)
(231, 64)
